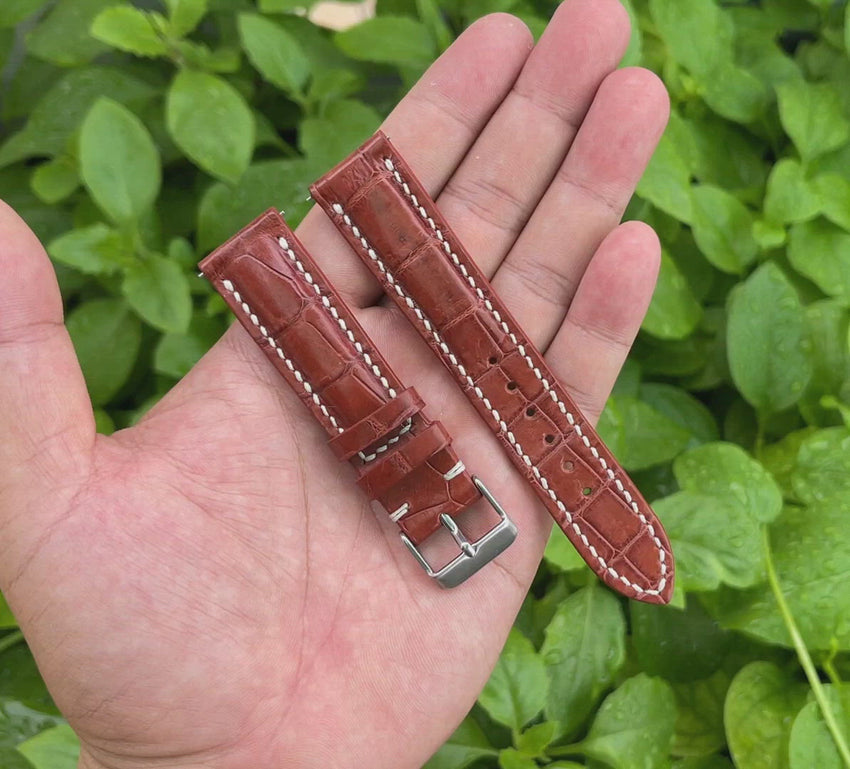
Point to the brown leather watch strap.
(403, 460)
(389, 219)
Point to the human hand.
(209, 588)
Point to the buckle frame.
(474, 555)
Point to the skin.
(209, 588)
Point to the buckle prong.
(473, 555)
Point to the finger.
(586, 200)
(433, 127)
(594, 339)
(496, 188)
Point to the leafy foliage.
(137, 136)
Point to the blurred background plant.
(136, 137)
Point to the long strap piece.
(293, 313)
(390, 221)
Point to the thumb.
(46, 421)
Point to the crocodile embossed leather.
(403, 460)
(390, 221)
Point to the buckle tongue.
(473, 555)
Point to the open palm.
(209, 588)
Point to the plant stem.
(803, 654)
(8, 641)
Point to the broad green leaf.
(55, 180)
(835, 195)
(517, 689)
(674, 311)
(823, 465)
(119, 163)
(106, 337)
(94, 250)
(58, 115)
(811, 114)
(699, 725)
(584, 647)
(734, 93)
(103, 423)
(666, 183)
(684, 409)
(723, 228)
(725, 156)
(766, 340)
(534, 740)
(345, 125)
(13, 759)
(274, 52)
(129, 29)
(706, 762)
(157, 289)
(697, 34)
(561, 553)
(827, 321)
(760, 706)
(638, 435)
(283, 6)
(63, 38)
(431, 14)
(7, 619)
(812, 744)
(389, 40)
(847, 29)
(185, 15)
(791, 197)
(13, 12)
(811, 551)
(466, 746)
(176, 354)
(210, 121)
(225, 209)
(821, 251)
(679, 645)
(780, 459)
(56, 748)
(328, 85)
(510, 758)
(634, 727)
(714, 542)
(634, 53)
(727, 472)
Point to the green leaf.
(176, 354)
(119, 163)
(766, 340)
(7, 619)
(810, 547)
(684, 409)
(634, 727)
(697, 35)
(466, 746)
(723, 228)
(726, 471)
(679, 645)
(56, 748)
(821, 251)
(666, 183)
(835, 195)
(584, 647)
(534, 740)
(210, 121)
(389, 40)
(94, 250)
(734, 93)
(58, 115)
(12, 759)
(708, 762)
(55, 180)
(13, 12)
(185, 15)
(674, 311)
(509, 758)
(760, 706)
(823, 466)
(638, 435)
(699, 725)
(518, 686)
(812, 744)
(791, 197)
(157, 289)
(129, 29)
(274, 52)
(106, 336)
(345, 125)
(560, 552)
(811, 113)
(63, 36)
(827, 321)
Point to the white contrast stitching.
(455, 471)
(280, 354)
(339, 210)
(397, 514)
(381, 449)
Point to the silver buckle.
(473, 555)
